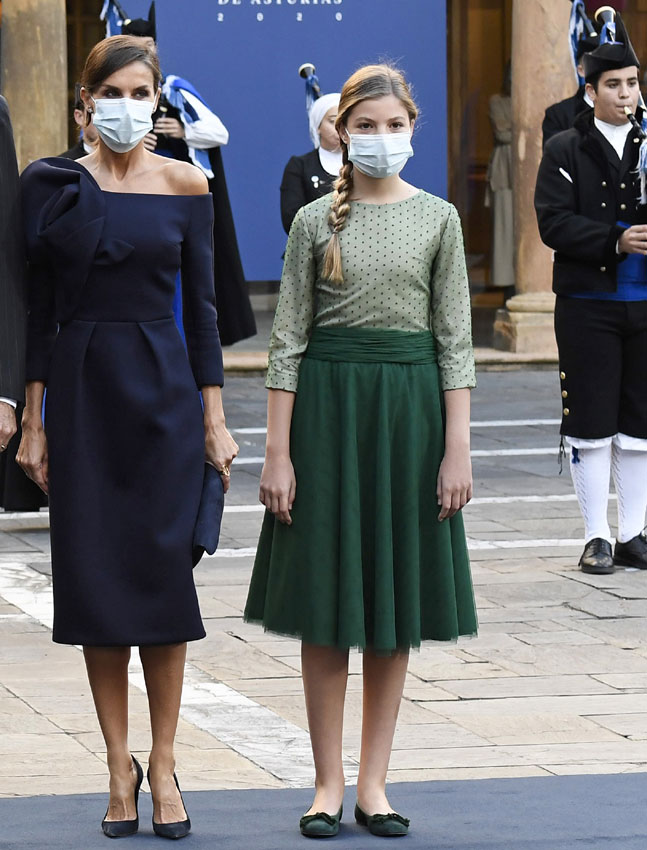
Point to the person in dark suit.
(88, 136)
(585, 198)
(311, 175)
(561, 116)
(13, 309)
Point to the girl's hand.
(220, 449)
(278, 487)
(32, 456)
(454, 488)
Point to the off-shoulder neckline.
(90, 176)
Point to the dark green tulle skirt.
(365, 563)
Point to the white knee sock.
(590, 471)
(630, 477)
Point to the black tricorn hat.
(610, 55)
(586, 44)
(141, 27)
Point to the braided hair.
(369, 82)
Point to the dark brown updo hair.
(114, 53)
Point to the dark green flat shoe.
(320, 824)
(387, 826)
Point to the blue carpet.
(552, 813)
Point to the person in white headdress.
(311, 175)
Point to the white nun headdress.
(318, 111)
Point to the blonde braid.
(339, 209)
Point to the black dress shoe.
(597, 558)
(633, 553)
(177, 829)
(122, 828)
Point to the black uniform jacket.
(582, 190)
(304, 180)
(76, 152)
(235, 316)
(561, 116)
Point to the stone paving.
(555, 683)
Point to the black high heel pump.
(178, 829)
(122, 828)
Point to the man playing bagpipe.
(586, 201)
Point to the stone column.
(542, 73)
(34, 75)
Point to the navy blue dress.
(123, 416)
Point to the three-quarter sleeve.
(451, 320)
(199, 297)
(294, 313)
(42, 327)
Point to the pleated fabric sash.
(371, 345)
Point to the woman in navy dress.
(125, 439)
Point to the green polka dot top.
(404, 268)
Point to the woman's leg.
(108, 673)
(383, 685)
(325, 673)
(164, 673)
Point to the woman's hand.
(278, 487)
(32, 456)
(220, 449)
(454, 488)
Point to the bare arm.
(32, 452)
(278, 484)
(220, 446)
(454, 488)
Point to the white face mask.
(379, 154)
(122, 122)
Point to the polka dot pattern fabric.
(404, 268)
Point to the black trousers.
(603, 367)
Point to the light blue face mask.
(122, 122)
(379, 154)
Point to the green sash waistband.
(371, 345)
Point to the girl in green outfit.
(367, 461)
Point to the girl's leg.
(325, 673)
(108, 674)
(164, 674)
(383, 685)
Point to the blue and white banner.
(113, 18)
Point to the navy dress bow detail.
(64, 214)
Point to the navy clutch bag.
(212, 503)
